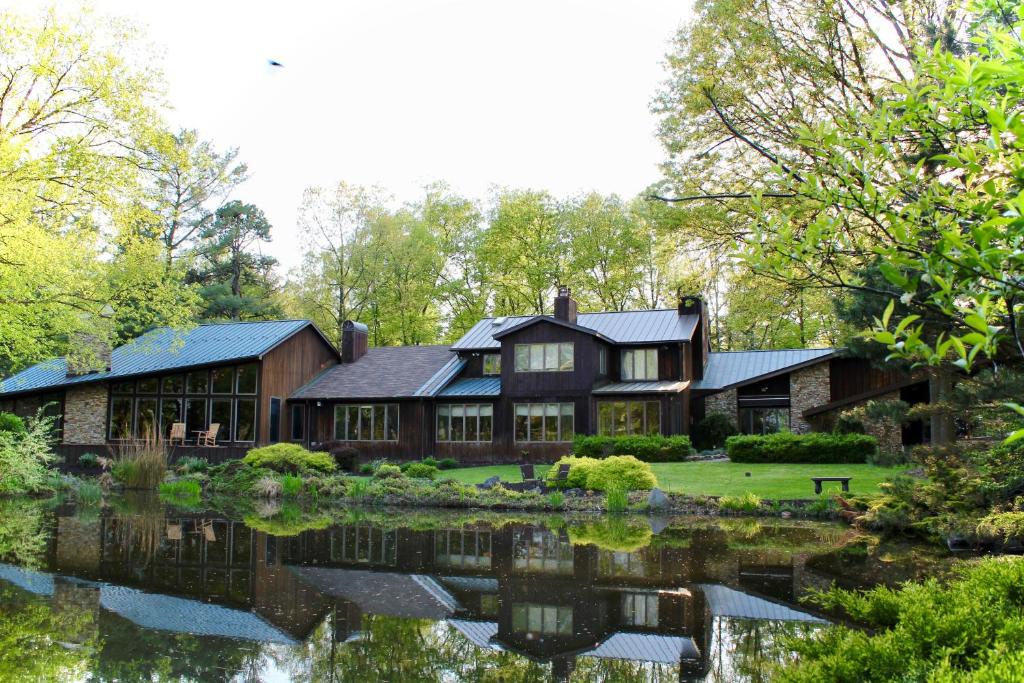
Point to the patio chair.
(173, 532)
(563, 472)
(526, 469)
(177, 433)
(208, 437)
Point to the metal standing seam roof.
(622, 327)
(663, 387)
(473, 386)
(441, 378)
(729, 368)
(165, 349)
(729, 602)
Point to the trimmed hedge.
(816, 447)
(645, 448)
(289, 458)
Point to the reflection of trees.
(24, 531)
(31, 647)
(749, 650)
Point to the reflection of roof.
(476, 386)
(728, 602)
(479, 633)
(385, 593)
(34, 582)
(646, 647)
(383, 372)
(729, 368)
(622, 327)
(167, 349)
(471, 583)
(665, 387)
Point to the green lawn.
(726, 478)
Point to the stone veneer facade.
(723, 402)
(808, 388)
(85, 414)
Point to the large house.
(512, 388)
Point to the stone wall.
(722, 402)
(85, 414)
(808, 388)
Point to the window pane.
(492, 364)
(471, 423)
(551, 422)
(602, 361)
(652, 364)
(121, 418)
(442, 423)
(365, 423)
(604, 418)
(567, 427)
(195, 416)
(247, 379)
(636, 417)
(245, 420)
(123, 388)
(222, 380)
(627, 365)
(298, 422)
(639, 365)
(378, 422)
(522, 422)
(486, 422)
(551, 356)
(458, 423)
(148, 385)
(536, 357)
(197, 382)
(536, 422)
(145, 418)
(352, 426)
(620, 417)
(170, 412)
(653, 417)
(522, 357)
(565, 359)
(220, 413)
(173, 384)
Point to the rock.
(657, 524)
(786, 514)
(657, 500)
(490, 483)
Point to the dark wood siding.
(414, 417)
(284, 370)
(544, 384)
(854, 376)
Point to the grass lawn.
(726, 478)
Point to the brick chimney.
(565, 305)
(355, 339)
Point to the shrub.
(816, 447)
(1003, 526)
(290, 458)
(192, 465)
(712, 431)
(268, 487)
(430, 460)
(421, 470)
(25, 456)
(386, 471)
(141, 463)
(367, 468)
(647, 448)
(579, 471)
(345, 457)
(88, 460)
(447, 463)
(748, 502)
(9, 422)
(617, 471)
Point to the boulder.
(657, 500)
(490, 483)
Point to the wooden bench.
(845, 481)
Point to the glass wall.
(373, 422)
(544, 422)
(621, 418)
(465, 422)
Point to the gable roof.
(383, 372)
(537, 319)
(167, 349)
(619, 327)
(729, 368)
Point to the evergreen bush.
(647, 448)
(614, 472)
(816, 447)
(290, 458)
(712, 431)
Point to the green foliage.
(616, 471)
(386, 471)
(616, 533)
(962, 630)
(646, 448)
(25, 456)
(192, 465)
(447, 463)
(89, 460)
(235, 478)
(748, 502)
(712, 431)
(186, 492)
(1003, 526)
(288, 520)
(616, 500)
(816, 447)
(421, 470)
(9, 422)
(291, 485)
(289, 458)
(88, 493)
(556, 499)
(579, 471)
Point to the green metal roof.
(473, 386)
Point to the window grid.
(370, 422)
(640, 365)
(465, 422)
(536, 422)
(621, 418)
(553, 357)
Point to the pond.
(138, 590)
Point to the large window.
(364, 544)
(640, 609)
(639, 364)
(121, 418)
(544, 422)
(465, 422)
(492, 364)
(463, 549)
(376, 422)
(619, 418)
(551, 620)
(298, 422)
(544, 357)
(539, 551)
(763, 420)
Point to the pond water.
(136, 590)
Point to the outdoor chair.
(563, 472)
(526, 469)
(208, 437)
(177, 433)
(173, 532)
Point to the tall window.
(465, 422)
(545, 422)
(539, 551)
(619, 418)
(763, 420)
(374, 422)
(602, 361)
(298, 422)
(364, 544)
(640, 609)
(492, 363)
(640, 364)
(544, 357)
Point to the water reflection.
(142, 593)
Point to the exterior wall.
(283, 371)
(723, 402)
(85, 414)
(886, 430)
(414, 418)
(809, 388)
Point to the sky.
(548, 94)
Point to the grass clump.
(290, 458)
(556, 499)
(748, 502)
(616, 501)
(141, 463)
(291, 485)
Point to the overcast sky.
(550, 94)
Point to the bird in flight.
(274, 62)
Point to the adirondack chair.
(526, 469)
(177, 433)
(563, 472)
(208, 437)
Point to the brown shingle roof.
(384, 372)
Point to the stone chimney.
(565, 305)
(690, 304)
(90, 352)
(355, 339)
